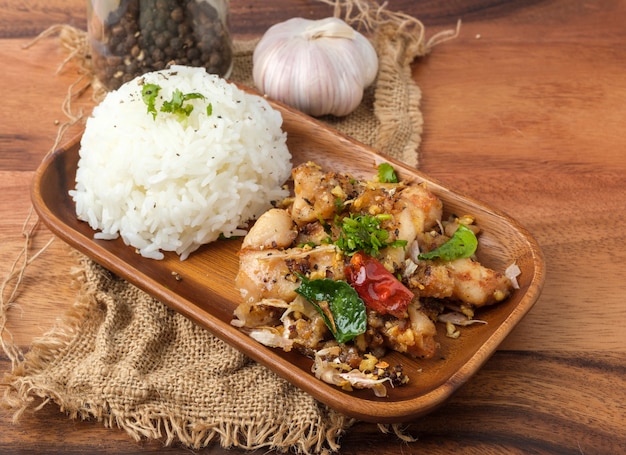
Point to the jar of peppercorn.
(132, 37)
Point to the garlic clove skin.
(318, 67)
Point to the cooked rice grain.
(166, 184)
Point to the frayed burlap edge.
(389, 118)
(399, 39)
(403, 42)
(27, 389)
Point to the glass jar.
(132, 37)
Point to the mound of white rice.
(170, 183)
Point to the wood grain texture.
(523, 110)
(497, 412)
(183, 284)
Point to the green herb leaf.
(193, 96)
(149, 93)
(339, 305)
(209, 110)
(363, 233)
(176, 104)
(386, 173)
(461, 245)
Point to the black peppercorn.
(147, 35)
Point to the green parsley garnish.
(363, 233)
(149, 92)
(175, 106)
(386, 173)
(461, 245)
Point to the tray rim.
(359, 408)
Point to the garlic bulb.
(318, 67)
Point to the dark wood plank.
(496, 412)
(523, 110)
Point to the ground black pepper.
(148, 35)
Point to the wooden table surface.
(525, 110)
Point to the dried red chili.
(379, 289)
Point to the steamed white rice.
(163, 184)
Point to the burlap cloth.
(128, 361)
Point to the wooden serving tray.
(202, 287)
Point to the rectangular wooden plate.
(202, 287)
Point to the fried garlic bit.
(371, 373)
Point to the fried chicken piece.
(461, 279)
(318, 194)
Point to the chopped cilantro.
(149, 92)
(175, 106)
(386, 173)
(363, 233)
